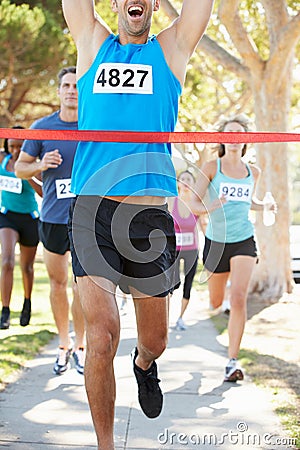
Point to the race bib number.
(63, 188)
(236, 192)
(120, 78)
(10, 184)
(183, 239)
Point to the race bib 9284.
(236, 192)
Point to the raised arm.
(180, 39)
(87, 29)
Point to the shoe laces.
(151, 381)
(63, 356)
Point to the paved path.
(47, 412)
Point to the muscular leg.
(152, 317)
(102, 334)
(57, 267)
(241, 268)
(27, 256)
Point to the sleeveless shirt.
(230, 223)
(185, 229)
(16, 195)
(127, 88)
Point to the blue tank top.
(230, 223)
(127, 88)
(16, 195)
(56, 182)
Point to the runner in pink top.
(186, 239)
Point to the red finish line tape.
(149, 137)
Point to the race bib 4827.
(121, 78)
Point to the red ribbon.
(149, 137)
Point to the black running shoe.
(5, 318)
(26, 313)
(150, 395)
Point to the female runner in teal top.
(230, 248)
(18, 223)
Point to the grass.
(19, 344)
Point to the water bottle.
(268, 214)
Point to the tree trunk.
(273, 275)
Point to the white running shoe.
(62, 363)
(79, 358)
(180, 325)
(233, 371)
(226, 306)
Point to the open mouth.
(135, 11)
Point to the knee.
(238, 301)
(153, 348)
(216, 301)
(102, 334)
(27, 269)
(102, 345)
(8, 264)
(58, 285)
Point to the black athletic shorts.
(54, 237)
(25, 225)
(216, 255)
(130, 245)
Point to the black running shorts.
(24, 224)
(217, 255)
(54, 237)
(130, 245)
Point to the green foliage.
(30, 40)
(33, 47)
(104, 10)
(254, 20)
(52, 6)
(210, 91)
